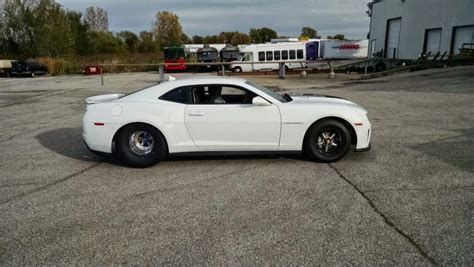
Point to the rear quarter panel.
(167, 117)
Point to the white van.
(266, 56)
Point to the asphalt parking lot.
(410, 200)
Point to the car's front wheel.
(327, 141)
(140, 145)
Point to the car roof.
(206, 79)
(157, 90)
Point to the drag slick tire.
(327, 141)
(140, 145)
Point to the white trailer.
(347, 49)
(262, 57)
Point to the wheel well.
(343, 121)
(137, 123)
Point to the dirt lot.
(410, 200)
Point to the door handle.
(196, 113)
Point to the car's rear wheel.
(141, 145)
(237, 69)
(327, 141)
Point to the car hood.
(320, 99)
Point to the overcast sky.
(203, 17)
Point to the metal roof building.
(405, 29)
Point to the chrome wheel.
(328, 142)
(141, 143)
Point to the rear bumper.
(99, 138)
(98, 153)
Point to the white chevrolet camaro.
(199, 116)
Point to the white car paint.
(276, 126)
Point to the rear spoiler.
(103, 98)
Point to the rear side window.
(261, 56)
(182, 95)
(284, 54)
(292, 54)
(300, 54)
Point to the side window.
(236, 95)
(284, 54)
(261, 56)
(229, 90)
(292, 54)
(180, 95)
(222, 95)
(276, 55)
(269, 55)
(300, 54)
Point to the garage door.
(433, 41)
(393, 38)
(462, 35)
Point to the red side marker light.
(358, 124)
(99, 123)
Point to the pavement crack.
(421, 189)
(387, 220)
(48, 185)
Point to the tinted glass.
(261, 56)
(292, 54)
(276, 55)
(180, 95)
(284, 54)
(269, 55)
(300, 54)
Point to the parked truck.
(5, 67)
(336, 49)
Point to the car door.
(236, 125)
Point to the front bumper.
(364, 149)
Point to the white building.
(405, 29)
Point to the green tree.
(167, 30)
(337, 37)
(53, 35)
(81, 33)
(17, 29)
(240, 38)
(309, 32)
(225, 37)
(146, 44)
(107, 43)
(262, 35)
(210, 39)
(198, 39)
(185, 39)
(97, 18)
(130, 39)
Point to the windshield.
(173, 52)
(282, 98)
